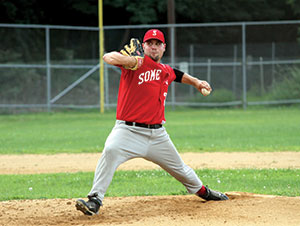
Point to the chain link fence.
(247, 63)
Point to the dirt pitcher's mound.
(241, 209)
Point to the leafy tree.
(295, 5)
(78, 12)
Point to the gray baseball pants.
(128, 142)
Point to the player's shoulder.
(167, 67)
(169, 70)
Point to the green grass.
(54, 133)
(155, 182)
(262, 129)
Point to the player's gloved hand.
(135, 50)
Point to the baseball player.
(139, 130)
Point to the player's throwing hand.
(204, 87)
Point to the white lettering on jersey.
(149, 76)
(152, 75)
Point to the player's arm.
(131, 57)
(190, 80)
(116, 58)
(197, 83)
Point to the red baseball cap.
(154, 34)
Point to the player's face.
(154, 49)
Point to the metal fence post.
(273, 60)
(173, 65)
(106, 84)
(209, 70)
(234, 70)
(262, 79)
(244, 66)
(191, 68)
(48, 68)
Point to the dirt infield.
(241, 209)
(31, 164)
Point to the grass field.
(153, 182)
(264, 129)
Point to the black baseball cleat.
(213, 195)
(90, 207)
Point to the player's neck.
(155, 60)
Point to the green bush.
(288, 88)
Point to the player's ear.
(165, 45)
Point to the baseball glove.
(135, 50)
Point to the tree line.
(122, 12)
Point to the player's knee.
(111, 152)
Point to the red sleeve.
(172, 76)
(123, 69)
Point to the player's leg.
(120, 146)
(164, 153)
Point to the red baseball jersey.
(142, 93)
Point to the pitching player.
(139, 131)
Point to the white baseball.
(205, 92)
